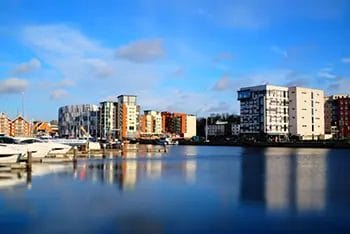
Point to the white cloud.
(339, 85)
(26, 67)
(326, 74)
(13, 85)
(59, 40)
(346, 60)
(58, 94)
(224, 83)
(141, 51)
(279, 51)
(100, 68)
(66, 83)
(219, 107)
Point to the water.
(189, 189)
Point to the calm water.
(189, 189)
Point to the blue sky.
(188, 56)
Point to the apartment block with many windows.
(73, 118)
(151, 123)
(264, 110)
(179, 124)
(20, 127)
(331, 114)
(306, 113)
(128, 117)
(343, 117)
(108, 120)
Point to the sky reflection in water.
(190, 188)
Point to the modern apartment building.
(179, 124)
(331, 114)
(191, 126)
(151, 123)
(173, 123)
(72, 119)
(264, 111)
(128, 117)
(306, 113)
(108, 120)
(343, 105)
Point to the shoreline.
(330, 145)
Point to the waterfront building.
(191, 126)
(331, 114)
(5, 124)
(108, 119)
(306, 113)
(128, 117)
(41, 128)
(264, 111)
(20, 127)
(54, 127)
(73, 120)
(179, 124)
(235, 129)
(219, 128)
(343, 107)
(151, 123)
(173, 123)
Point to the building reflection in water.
(252, 179)
(285, 179)
(190, 169)
(125, 170)
(190, 151)
(154, 169)
(279, 178)
(311, 179)
(129, 174)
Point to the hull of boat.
(58, 149)
(9, 154)
(39, 150)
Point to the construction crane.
(87, 135)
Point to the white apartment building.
(264, 110)
(191, 126)
(306, 113)
(108, 119)
(152, 122)
(128, 117)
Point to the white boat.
(10, 154)
(73, 142)
(38, 148)
(42, 148)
